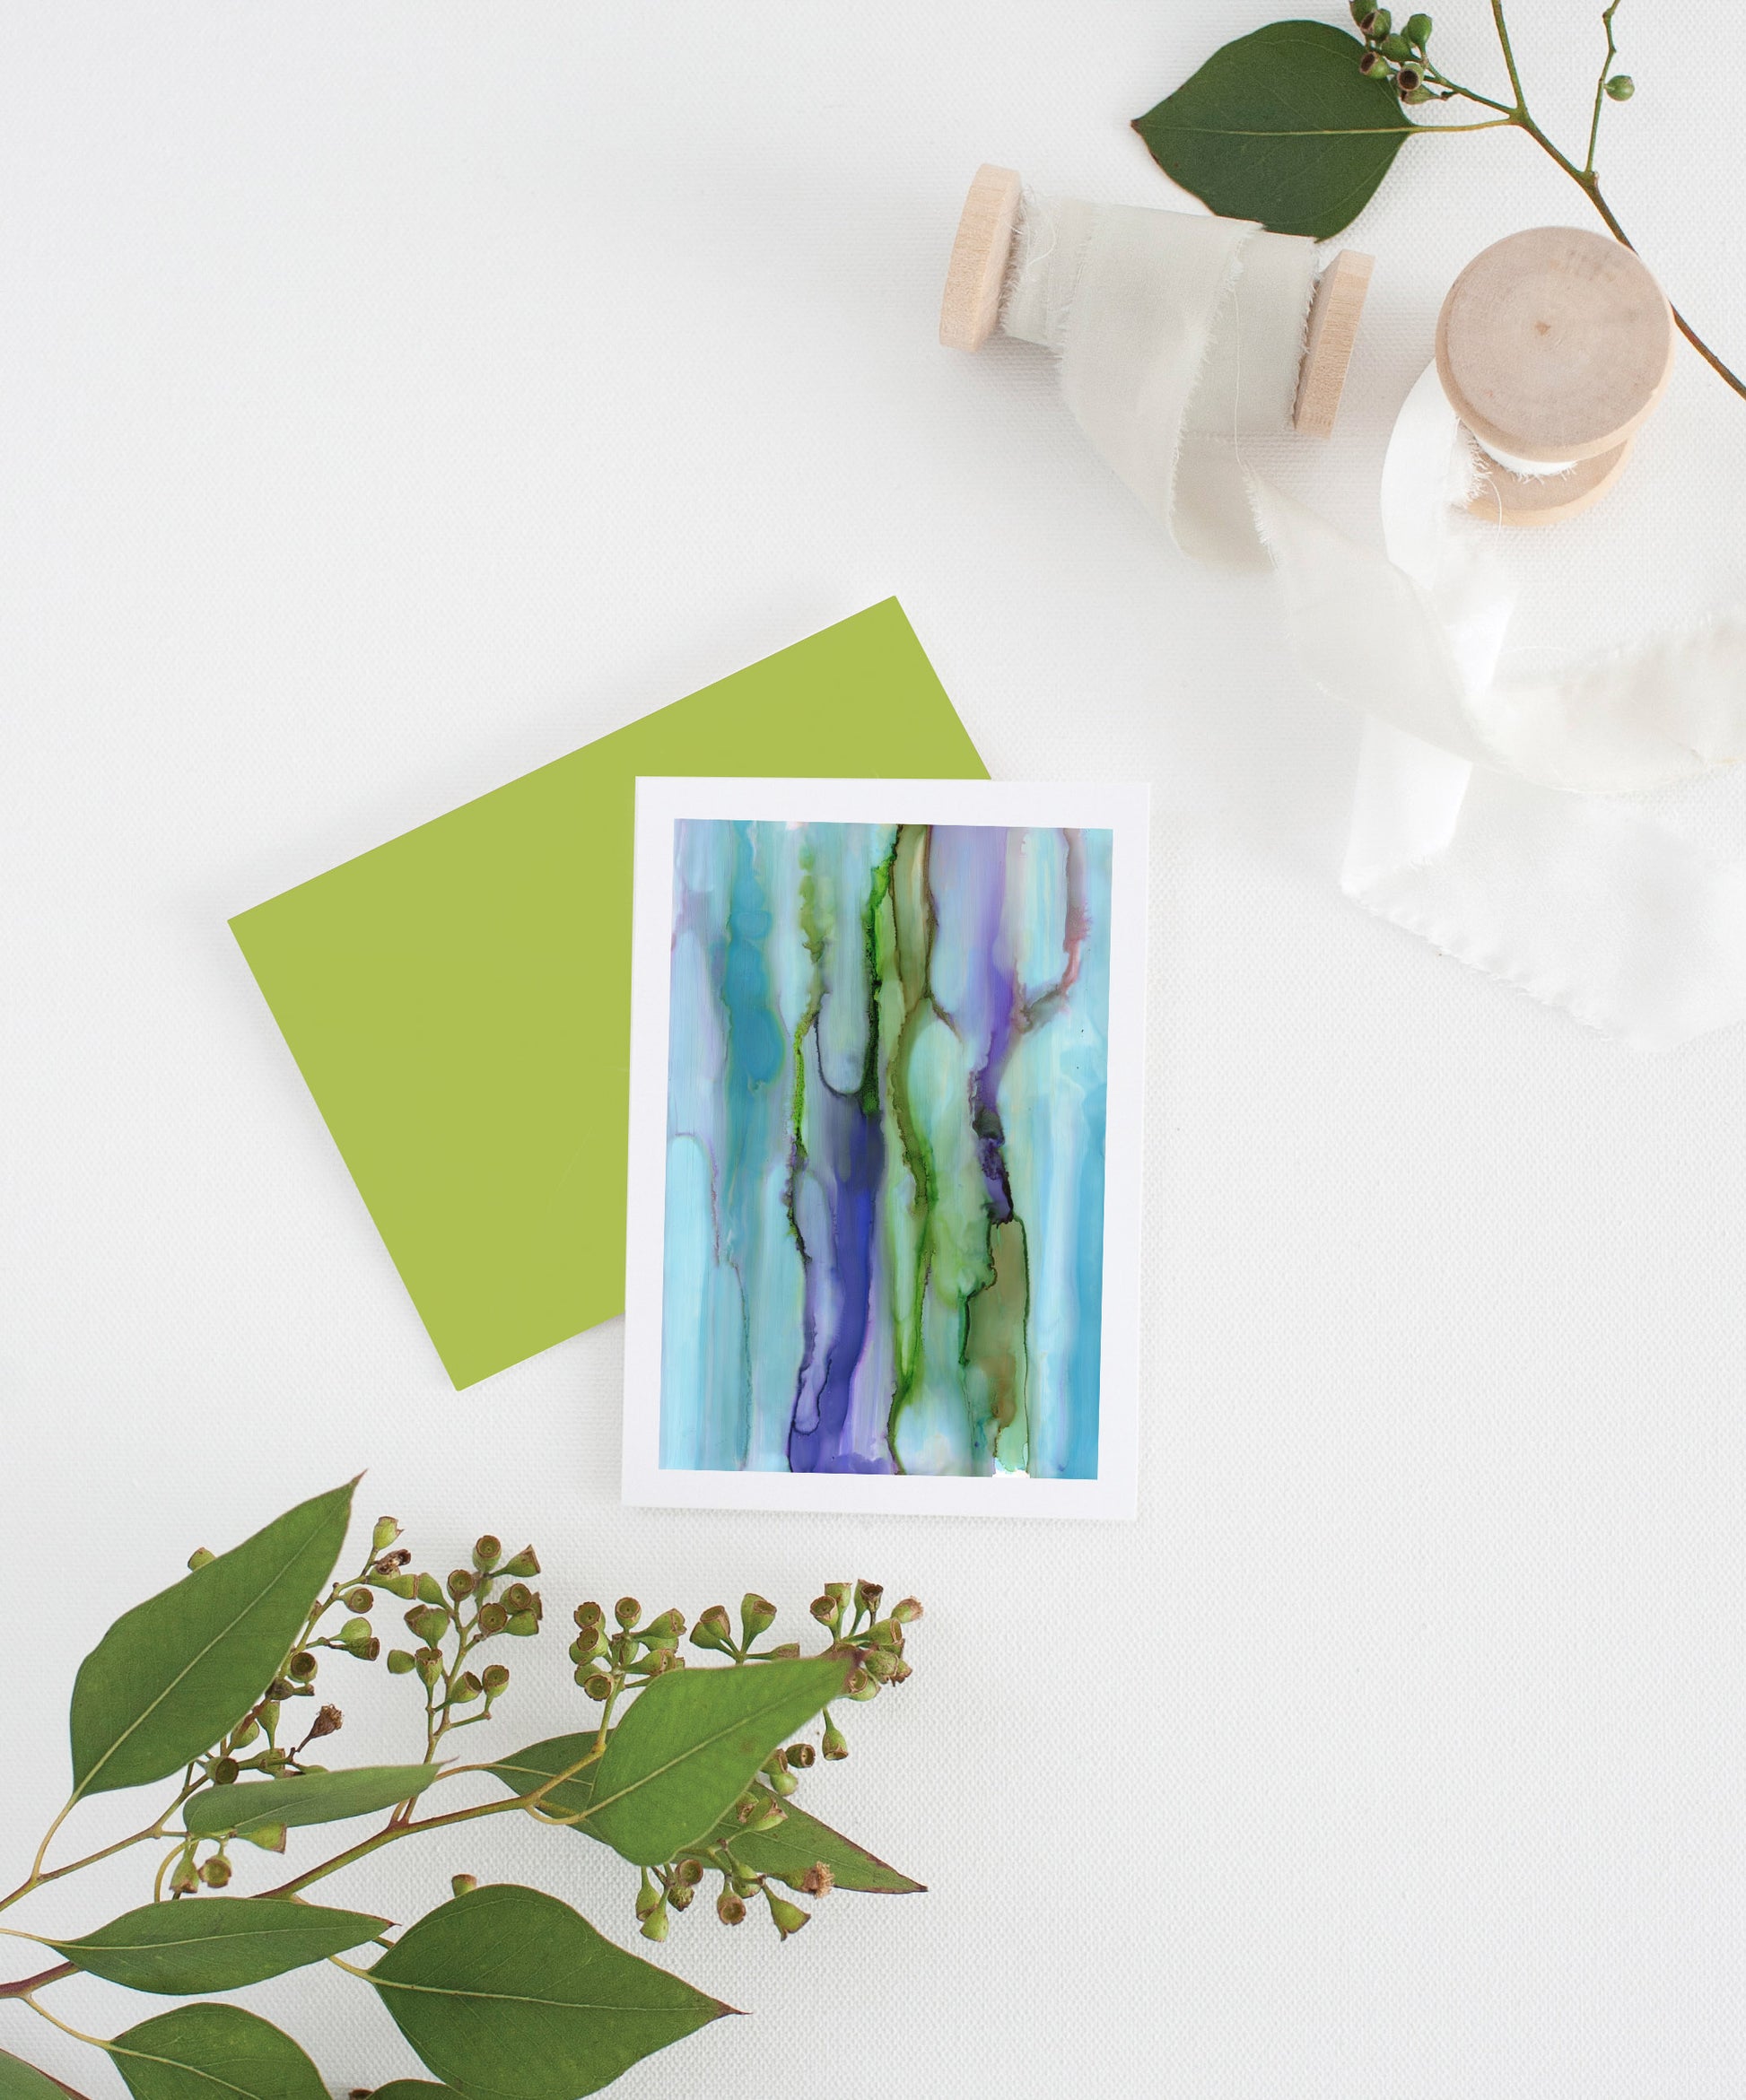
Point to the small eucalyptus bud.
(1396, 47)
(1377, 23)
(757, 1614)
(521, 1623)
(463, 1884)
(245, 1732)
(648, 1896)
(494, 1678)
(354, 1630)
(1622, 87)
(518, 1597)
(462, 1582)
(729, 1908)
(834, 1744)
(526, 1562)
(819, 1879)
(387, 1532)
(775, 1814)
(268, 1712)
(654, 1926)
(784, 1782)
(400, 1661)
(487, 1552)
(360, 1599)
(599, 1686)
(186, 1880)
(867, 1595)
(327, 1722)
(689, 1873)
(1417, 95)
(366, 1651)
(1408, 81)
(224, 1773)
(713, 1629)
(881, 1664)
(493, 1617)
(666, 1629)
(907, 1611)
(429, 1622)
(301, 1666)
(467, 1689)
(280, 1688)
(825, 1610)
(217, 1871)
(429, 1589)
(788, 1918)
(1372, 63)
(269, 1836)
(627, 1611)
(679, 1898)
(201, 1558)
(430, 1665)
(861, 1688)
(1418, 29)
(801, 1755)
(589, 1614)
(396, 1585)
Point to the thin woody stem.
(1509, 55)
(1601, 86)
(24, 1987)
(529, 1800)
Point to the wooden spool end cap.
(970, 309)
(1329, 340)
(1555, 345)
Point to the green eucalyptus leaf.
(215, 1943)
(792, 1850)
(508, 1994)
(19, 2080)
(1281, 127)
(692, 1744)
(315, 1797)
(214, 2053)
(170, 1675)
(412, 2089)
(788, 1852)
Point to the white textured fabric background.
(391, 398)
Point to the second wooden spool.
(976, 275)
(1553, 347)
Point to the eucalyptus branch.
(144, 1705)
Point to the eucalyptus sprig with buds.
(684, 1773)
(1298, 124)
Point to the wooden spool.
(976, 275)
(1553, 347)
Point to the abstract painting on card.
(886, 1052)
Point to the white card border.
(1120, 808)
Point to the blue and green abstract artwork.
(886, 1128)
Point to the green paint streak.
(996, 1358)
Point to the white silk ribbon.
(1510, 823)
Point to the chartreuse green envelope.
(458, 1000)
